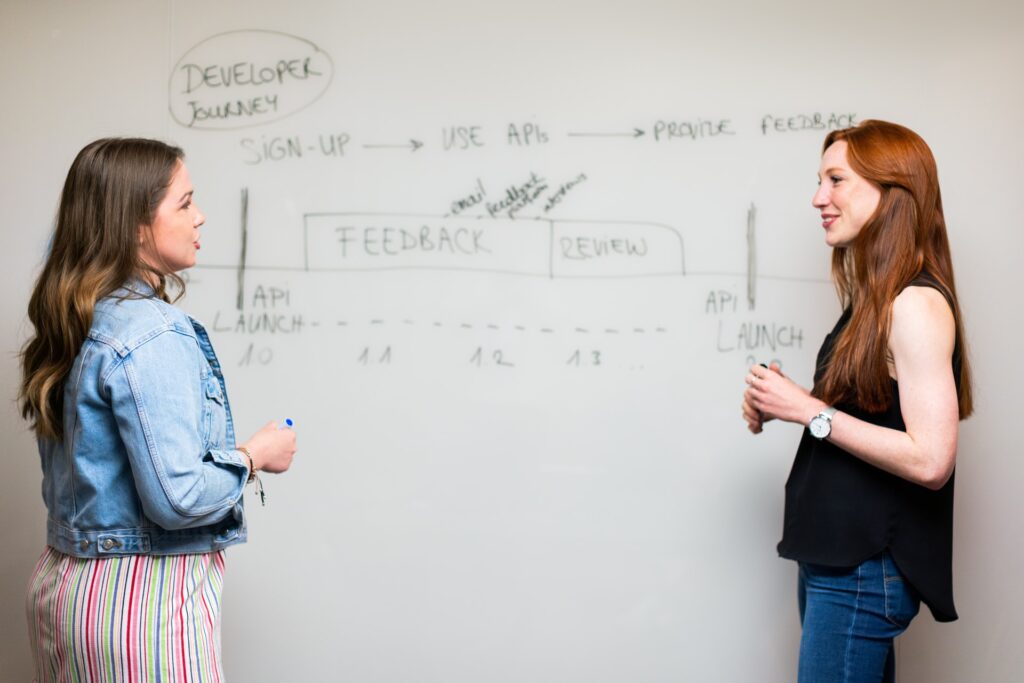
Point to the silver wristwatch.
(821, 424)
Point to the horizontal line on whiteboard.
(212, 266)
(689, 273)
(450, 269)
(787, 278)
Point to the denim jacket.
(147, 462)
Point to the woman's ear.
(145, 243)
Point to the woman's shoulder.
(125, 319)
(922, 294)
(925, 280)
(920, 311)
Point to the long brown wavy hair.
(904, 239)
(110, 197)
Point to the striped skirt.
(126, 618)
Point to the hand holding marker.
(760, 416)
(284, 424)
(287, 423)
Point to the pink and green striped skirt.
(126, 618)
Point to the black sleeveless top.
(841, 511)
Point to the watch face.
(820, 427)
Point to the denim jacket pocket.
(214, 414)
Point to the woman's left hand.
(776, 396)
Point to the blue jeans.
(850, 616)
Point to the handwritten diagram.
(521, 226)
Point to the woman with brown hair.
(142, 478)
(869, 500)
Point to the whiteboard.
(505, 268)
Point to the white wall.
(450, 518)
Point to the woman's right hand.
(754, 418)
(272, 449)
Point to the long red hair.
(904, 239)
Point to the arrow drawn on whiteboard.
(637, 132)
(413, 145)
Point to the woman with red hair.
(869, 501)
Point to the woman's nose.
(820, 198)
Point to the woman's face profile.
(173, 238)
(845, 199)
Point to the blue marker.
(287, 423)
